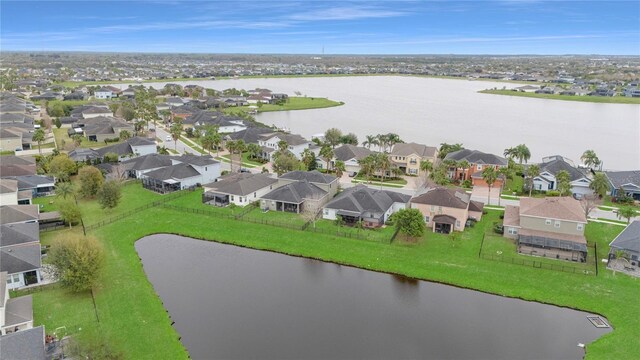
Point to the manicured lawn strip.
(593, 99)
(376, 179)
(245, 161)
(513, 185)
(133, 196)
(274, 216)
(61, 135)
(300, 103)
(133, 317)
(376, 183)
(329, 227)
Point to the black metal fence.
(589, 268)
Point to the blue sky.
(341, 27)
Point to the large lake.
(235, 303)
(432, 111)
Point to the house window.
(440, 209)
(254, 195)
(426, 219)
(433, 208)
(240, 199)
(547, 222)
(326, 211)
(557, 224)
(580, 226)
(205, 168)
(512, 231)
(16, 278)
(479, 167)
(232, 198)
(457, 223)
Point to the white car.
(169, 138)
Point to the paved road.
(181, 147)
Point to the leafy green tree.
(627, 212)
(253, 150)
(590, 159)
(489, 175)
(309, 159)
(91, 181)
(62, 167)
(124, 135)
(69, 212)
(600, 184)
(57, 123)
(332, 137)
(110, 157)
(77, 261)
(77, 139)
(409, 222)
(209, 137)
(448, 148)
(339, 221)
(38, 136)
(564, 182)
(350, 138)
(367, 166)
(285, 161)
(426, 166)
(532, 171)
(109, 194)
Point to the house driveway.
(481, 194)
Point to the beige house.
(407, 156)
(550, 227)
(8, 192)
(446, 210)
(10, 140)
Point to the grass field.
(61, 137)
(594, 99)
(133, 319)
(300, 103)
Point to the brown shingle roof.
(563, 208)
(511, 216)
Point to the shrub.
(553, 193)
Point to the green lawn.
(62, 136)
(133, 319)
(513, 185)
(594, 99)
(387, 180)
(246, 162)
(300, 103)
(329, 227)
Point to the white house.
(549, 169)
(20, 254)
(103, 93)
(240, 189)
(184, 172)
(269, 142)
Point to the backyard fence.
(589, 268)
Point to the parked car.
(353, 174)
(244, 170)
(169, 138)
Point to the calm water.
(234, 303)
(432, 111)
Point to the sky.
(505, 27)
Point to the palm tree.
(234, 147)
(382, 164)
(426, 166)
(523, 153)
(509, 153)
(283, 146)
(371, 140)
(590, 159)
(393, 139)
(64, 189)
(532, 171)
(490, 175)
(340, 168)
(599, 184)
(627, 212)
(253, 150)
(326, 153)
(175, 131)
(464, 165)
(38, 136)
(564, 182)
(367, 166)
(383, 140)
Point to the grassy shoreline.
(127, 297)
(591, 99)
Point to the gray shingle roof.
(445, 197)
(26, 182)
(291, 139)
(629, 238)
(250, 135)
(476, 157)
(348, 152)
(14, 234)
(8, 186)
(196, 160)
(18, 311)
(557, 165)
(296, 193)
(82, 154)
(313, 176)
(405, 149)
(619, 178)
(361, 199)
(25, 344)
(177, 172)
(240, 184)
(146, 162)
(10, 214)
(20, 258)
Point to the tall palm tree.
(464, 165)
(367, 166)
(370, 141)
(176, 131)
(426, 166)
(326, 153)
(509, 153)
(38, 136)
(600, 184)
(523, 153)
(340, 168)
(532, 171)
(64, 189)
(590, 158)
(393, 139)
(383, 141)
(382, 164)
(490, 175)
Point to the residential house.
(446, 210)
(24, 344)
(186, 171)
(225, 124)
(11, 140)
(8, 192)
(326, 182)
(549, 169)
(235, 100)
(350, 155)
(407, 156)
(550, 227)
(103, 127)
(269, 143)
(16, 315)
(140, 165)
(478, 161)
(183, 112)
(31, 186)
(20, 253)
(132, 147)
(296, 197)
(627, 244)
(14, 214)
(174, 101)
(83, 154)
(632, 91)
(240, 189)
(103, 93)
(17, 165)
(360, 203)
(627, 181)
(90, 111)
(250, 135)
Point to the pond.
(230, 302)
